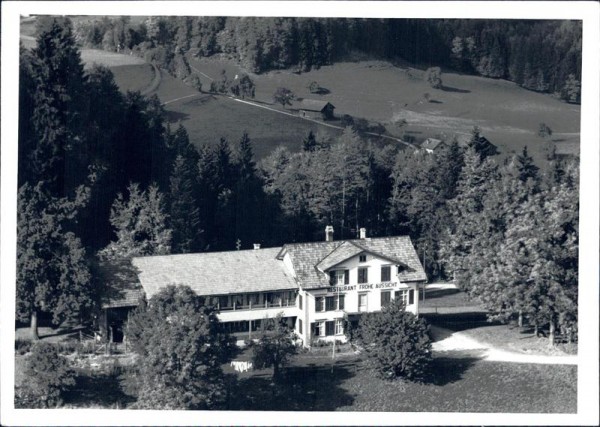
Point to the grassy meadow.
(508, 115)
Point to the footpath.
(456, 344)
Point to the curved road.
(456, 341)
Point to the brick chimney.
(329, 233)
(363, 233)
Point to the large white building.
(315, 285)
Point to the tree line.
(544, 56)
(102, 177)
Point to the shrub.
(433, 76)
(22, 346)
(398, 342)
(48, 377)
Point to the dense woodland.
(544, 56)
(103, 177)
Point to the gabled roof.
(347, 250)
(432, 144)
(340, 254)
(311, 105)
(216, 273)
(305, 258)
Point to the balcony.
(257, 306)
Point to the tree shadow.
(98, 389)
(435, 101)
(447, 370)
(459, 321)
(454, 89)
(175, 116)
(306, 388)
(321, 91)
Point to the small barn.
(315, 109)
(431, 145)
(122, 292)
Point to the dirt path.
(154, 83)
(456, 342)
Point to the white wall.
(373, 289)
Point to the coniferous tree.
(184, 213)
(52, 270)
(59, 107)
(140, 225)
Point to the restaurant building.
(318, 287)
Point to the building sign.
(365, 287)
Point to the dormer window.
(339, 277)
(362, 258)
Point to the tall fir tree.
(52, 270)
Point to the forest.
(103, 177)
(543, 56)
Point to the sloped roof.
(121, 285)
(311, 105)
(567, 149)
(432, 143)
(306, 257)
(340, 254)
(216, 273)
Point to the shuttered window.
(411, 296)
(363, 275)
(329, 304)
(329, 328)
(386, 273)
(386, 298)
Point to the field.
(133, 77)
(508, 115)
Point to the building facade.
(318, 287)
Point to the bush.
(48, 377)
(397, 341)
(433, 76)
(22, 346)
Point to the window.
(330, 303)
(362, 302)
(363, 276)
(362, 258)
(321, 328)
(411, 296)
(300, 301)
(386, 298)
(339, 326)
(402, 295)
(386, 273)
(320, 304)
(329, 328)
(300, 331)
(339, 277)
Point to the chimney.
(363, 233)
(329, 233)
(256, 246)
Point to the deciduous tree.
(275, 346)
(181, 349)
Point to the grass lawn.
(507, 114)
(207, 118)
(456, 385)
(133, 77)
